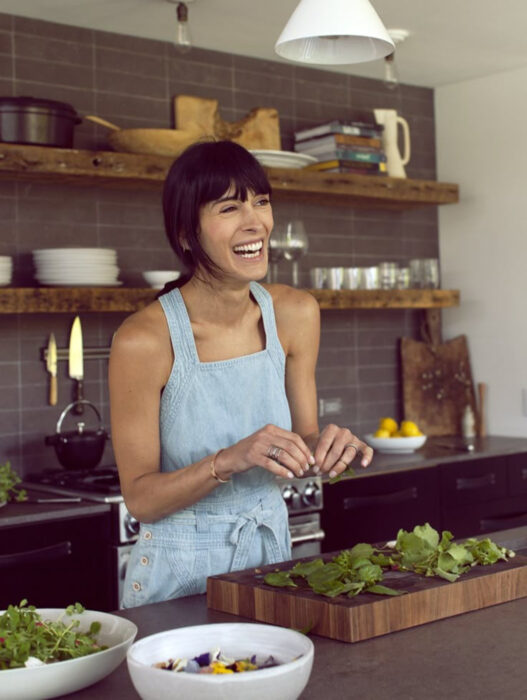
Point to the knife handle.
(53, 390)
(79, 396)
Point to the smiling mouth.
(249, 250)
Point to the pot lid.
(36, 104)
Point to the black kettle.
(81, 448)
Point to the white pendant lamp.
(334, 32)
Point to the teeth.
(248, 247)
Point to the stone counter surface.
(31, 513)
(475, 655)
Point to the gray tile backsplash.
(132, 82)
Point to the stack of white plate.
(77, 267)
(6, 269)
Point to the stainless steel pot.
(81, 448)
(38, 122)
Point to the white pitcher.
(391, 120)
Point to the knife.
(76, 363)
(51, 366)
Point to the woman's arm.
(298, 321)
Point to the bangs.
(231, 168)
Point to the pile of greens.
(8, 485)
(25, 635)
(360, 569)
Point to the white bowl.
(236, 640)
(52, 680)
(158, 278)
(396, 445)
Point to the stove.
(100, 484)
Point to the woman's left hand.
(336, 448)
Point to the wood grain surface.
(366, 615)
(437, 384)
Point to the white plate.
(52, 680)
(96, 269)
(60, 283)
(74, 251)
(397, 445)
(283, 159)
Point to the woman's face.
(235, 234)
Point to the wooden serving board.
(437, 384)
(365, 616)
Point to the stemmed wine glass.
(275, 252)
(295, 245)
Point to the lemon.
(388, 424)
(381, 433)
(409, 429)
(398, 433)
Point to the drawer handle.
(382, 499)
(473, 483)
(524, 473)
(36, 556)
(316, 536)
(504, 522)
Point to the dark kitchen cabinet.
(55, 563)
(372, 509)
(484, 495)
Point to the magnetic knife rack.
(87, 354)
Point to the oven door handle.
(315, 536)
(36, 556)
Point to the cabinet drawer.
(373, 509)
(473, 482)
(518, 475)
(490, 516)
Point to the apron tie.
(244, 532)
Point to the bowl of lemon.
(394, 438)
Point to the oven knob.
(292, 498)
(312, 495)
(131, 525)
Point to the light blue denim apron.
(206, 406)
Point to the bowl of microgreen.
(45, 653)
(227, 660)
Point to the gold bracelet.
(213, 469)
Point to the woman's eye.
(226, 210)
(264, 201)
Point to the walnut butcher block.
(365, 616)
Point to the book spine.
(353, 155)
(355, 165)
(326, 143)
(349, 129)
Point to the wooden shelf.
(21, 300)
(129, 170)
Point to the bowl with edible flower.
(49, 652)
(394, 438)
(233, 661)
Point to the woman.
(213, 389)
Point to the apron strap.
(244, 532)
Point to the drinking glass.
(275, 253)
(295, 246)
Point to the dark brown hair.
(202, 174)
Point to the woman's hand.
(336, 448)
(279, 451)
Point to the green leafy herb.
(24, 634)
(347, 472)
(8, 485)
(360, 569)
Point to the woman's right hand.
(280, 451)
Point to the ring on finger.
(350, 444)
(274, 452)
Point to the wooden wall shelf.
(20, 300)
(128, 170)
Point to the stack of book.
(344, 147)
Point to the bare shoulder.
(297, 316)
(293, 305)
(141, 336)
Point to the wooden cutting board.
(259, 129)
(365, 616)
(437, 384)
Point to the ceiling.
(451, 40)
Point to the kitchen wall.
(481, 145)
(132, 82)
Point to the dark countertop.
(28, 513)
(434, 453)
(477, 654)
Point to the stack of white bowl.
(77, 267)
(6, 269)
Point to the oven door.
(306, 535)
